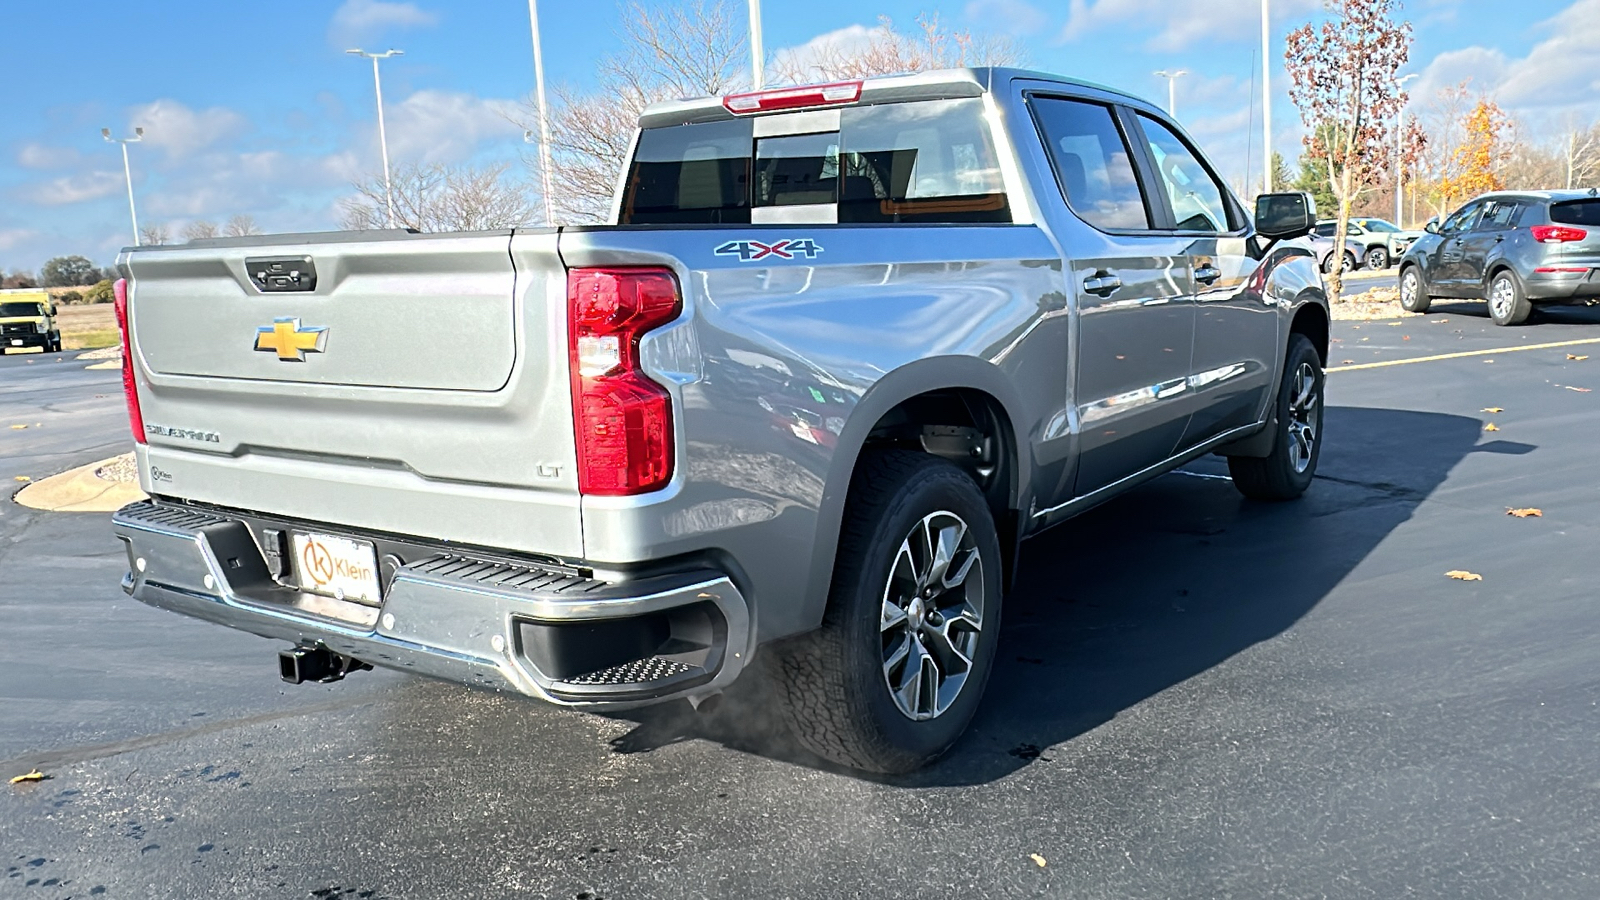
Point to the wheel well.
(970, 428)
(1312, 321)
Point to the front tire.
(1413, 291)
(896, 672)
(1286, 472)
(1508, 302)
(1378, 258)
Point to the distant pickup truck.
(27, 319)
(843, 349)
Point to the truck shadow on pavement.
(1147, 592)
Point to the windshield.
(1379, 225)
(9, 310)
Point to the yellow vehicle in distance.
(27, 319)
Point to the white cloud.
(842, 43)
(357, 19)
(38, 156)
(1561, 74)
(76, 188)
(180, 131)
(446, 126)
(12, 237)
(1014, 17)
(1179, 26)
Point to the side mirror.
(51, 311)
(1287, 215)
(1433, 226)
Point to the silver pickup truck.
(843, 349)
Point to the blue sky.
(255, 108)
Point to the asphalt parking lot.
(1196, 696)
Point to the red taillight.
(1557, 234)
(793, 98)
(623, 419)
(130, 389)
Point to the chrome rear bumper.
(507, 626)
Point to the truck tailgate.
(434, 402)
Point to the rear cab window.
(1576, 212)
(930, 161)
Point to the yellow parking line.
(1465, 353)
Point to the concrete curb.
(78, 490)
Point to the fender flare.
(920, 377)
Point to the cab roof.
(942, 84)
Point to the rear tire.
(1508, 302)
(910, 521)
(1413, 291)
(1286, 472)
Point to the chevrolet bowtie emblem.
(290, 340)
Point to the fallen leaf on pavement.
(35, 775)
(1038, 860)
(23, 478)
(1406, 338)
(1491, 427)
(1579, 390)
(1394, 324)
(1460, 575)
(1576, 358)
(1529, 512)
(1491, 409)
(1347, 362)
(18, 427)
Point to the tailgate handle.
(282, 274)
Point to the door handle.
(1102, 284)
(1207, 275)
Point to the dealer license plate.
(337, 567)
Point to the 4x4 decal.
(751, 251)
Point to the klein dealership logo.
(755, 251)
(322, 566)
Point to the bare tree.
(1580, 154)
(691, 49)
(889, 52)
(199, 230)
(1342, 78)
(240, 226)
(154, 234)
(439, 198)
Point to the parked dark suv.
(1516, 250)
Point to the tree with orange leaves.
(1475, 164)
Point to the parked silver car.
(1382, 242)
(1323, 248)
(843, 348)
(1517, 250)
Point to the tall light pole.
(383, 139)
(758, 62)
(1400, 153)
(127, 173)
(1266, 91)
(1172, 88)
(544, 119)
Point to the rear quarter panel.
(781, 368)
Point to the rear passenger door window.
(1093, 163)
(1501, 215)
(1196, 197)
